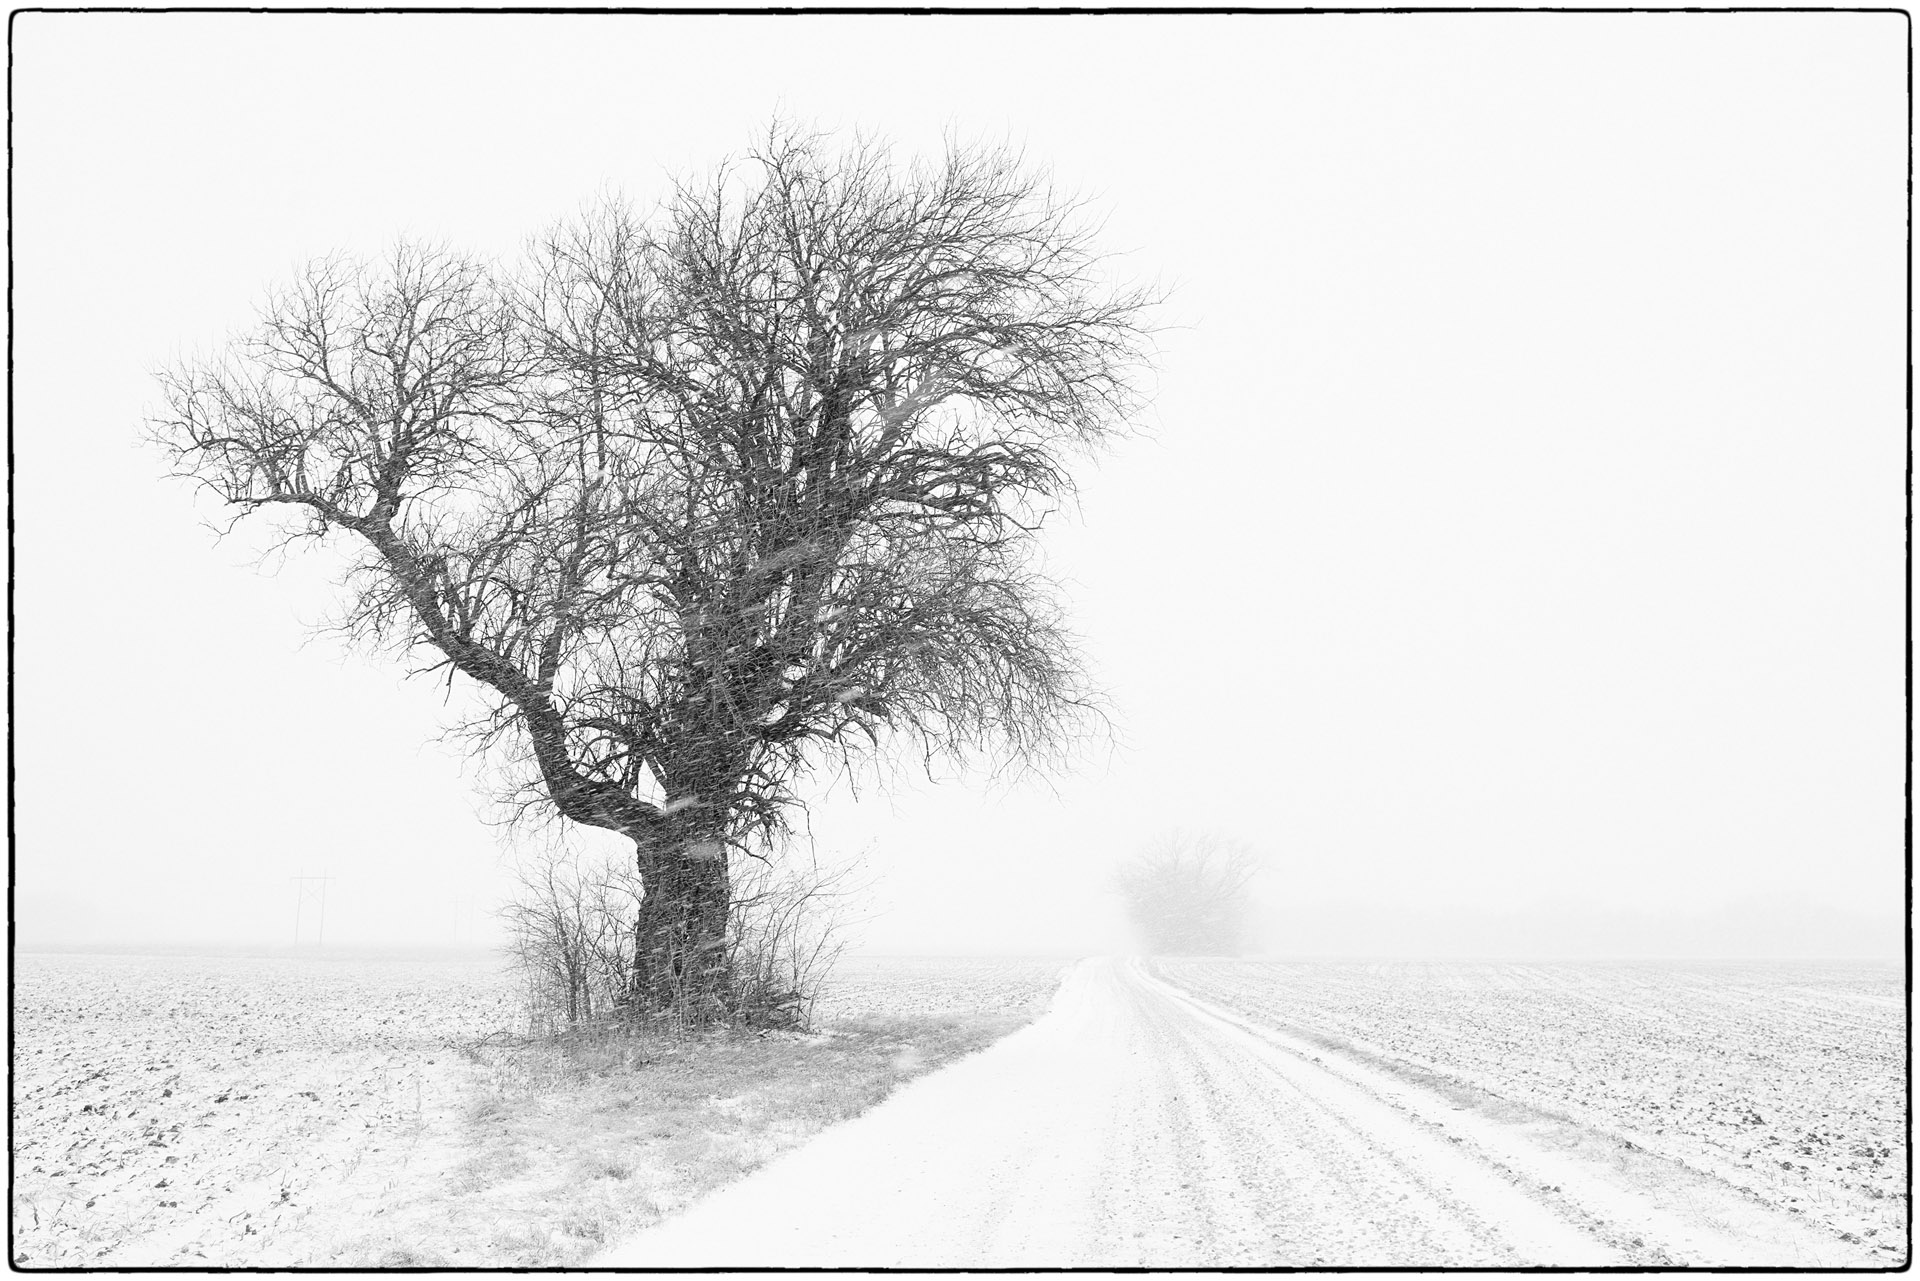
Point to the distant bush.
(1190, 895)
(571, 932)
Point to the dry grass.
(564, 1150)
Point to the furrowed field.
(197, 1111)
(234, 1111)
(1786, 1080)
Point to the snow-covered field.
(1787, 1081)
(236, 1111)
(866, 987)
(181, 1102)
(210, 1111)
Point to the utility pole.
(315, 888)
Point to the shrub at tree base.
(573, 936)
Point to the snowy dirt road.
(1139, 1125)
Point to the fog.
(1513, 555)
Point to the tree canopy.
(703, 500)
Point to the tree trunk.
(680, 938)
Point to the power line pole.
(315, 888)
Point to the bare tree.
(704, 502)
(1190, 894)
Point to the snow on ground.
(181, 1101)
(1785, 1080)
(1140, 1125)
(198, 1111)
(322, 1111)
(867, 987)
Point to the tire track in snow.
(1303, 1166)
(1425, 1199)
(1136, 1125)
(1625, 1197)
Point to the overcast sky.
(1513, 555)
